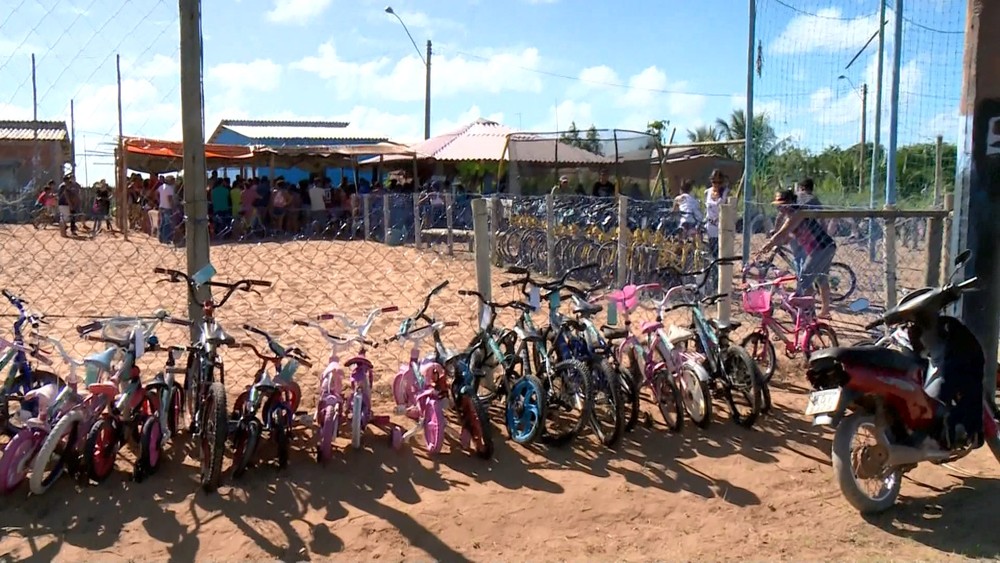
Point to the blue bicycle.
(22, 375)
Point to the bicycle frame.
(18, 354)
(801, 329)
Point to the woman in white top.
(714, 198)
(688, 206)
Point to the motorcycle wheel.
(847, 472)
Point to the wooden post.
(449, 214)
(946, 229)
(386, 216)
(121, 190)
(727, 246)
(935, 244)
(192, 120)
(890, 259)
(72, 138)
(938, 171)
(481, 232)
(418, 220)
(366, 209)
(36, 156)
(621, 276)
(550, 234)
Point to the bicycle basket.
(757, 301)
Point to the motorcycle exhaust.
(907, 455)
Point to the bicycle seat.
(802, 301)
(868, 356)
(585, 308)
(649, 327)
(676, 335)
(102, 359)
(158, 383)
(266, 384)
(528, 334)
(611, 333)
(219, 336)
(44, 395)
(724, 326)
(109, 390)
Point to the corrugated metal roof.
(273, 130)
(25, 131)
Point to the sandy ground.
(724, 493)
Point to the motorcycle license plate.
(823, 402)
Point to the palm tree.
(708, 134)
(765, 141)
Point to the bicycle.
(734, 373)
(677, 379)
(267, 405)
(136, 412)
(579, 339)
(758, 301)
(567, 384)
(20, 451)
(22, 376)
(330, 405)
(204, 394)
(843, 281)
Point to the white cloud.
(566, 112)
(826, 32)
(260, 75)
(14, 112)
(450, 76)
(418, 23)
(601, 76)
(944, 124)
(842, 107)
(648, 94)
(296, 11)
(159, 66)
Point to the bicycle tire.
(583, 380)
(99, 463)
(213, 436)
(630, 393)
(669, 401)
(524, 413)
(477, 423)
(246, 440)
(604, 380)
(744, 383)
(694, 387)
(818, 329)
(329, 425)
(761, 350)
(23, 446)
(851, 278)
(279, 431)
(357, 414)
(68, 427)
(150, 448)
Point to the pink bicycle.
(420, 388)
(675, 376)
(806, 335)
(330, 407)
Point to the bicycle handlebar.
(549, 286)
(398, 336)
(175, 276)
(421, 314)
(515, 304)
(293, 352)
(333, 338)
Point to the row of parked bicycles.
(550, 382)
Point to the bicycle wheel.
(329, 424)
(476, 422)
(821, 337)
(607, 413)
(55, 454)
(280, 418)
(101, 449)
(695, 393)
(741, 385)
(762, 351)
(246, 440)
(16, 459)
(524, 413)
(668, 399)
(213, 436)
(843, 282)
(150, 448)
(357, 416)
(569, 393)
(630, 394)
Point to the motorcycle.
(882, 390)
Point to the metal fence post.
(366, 211)
(890, 258)
(481, 234)
(623, 242)
(495, 214)
(727, 244)
(418, 220)
(386, 217)
(449, 212)
(550, 235)
(949, 206)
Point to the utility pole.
(873, 226)
(427, 94)
(192, 122)
(861, 151)
(978, 179)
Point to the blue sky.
(533, 64)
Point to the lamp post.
(427, 66)
(863, 92)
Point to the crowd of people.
(64, 203)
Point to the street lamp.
(427, 65)
(863, 92)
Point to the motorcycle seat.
(868, 356)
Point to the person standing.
(102, 208)
(603, 187)
(714, 198)
(166, 195)
(817, 246)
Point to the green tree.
(593, 141)
(708, 134)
